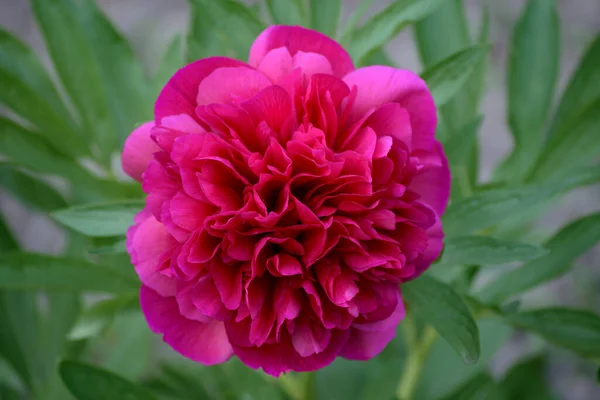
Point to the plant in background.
(61, 132)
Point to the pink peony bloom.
(289, 198)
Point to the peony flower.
(288, 200)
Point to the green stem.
(299, 386)
(417, 355)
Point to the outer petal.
(432, 182)
(368, 340)
(435, 243)
(205, 343)
(146, 242)
(378, 85)
(179, 94)
(138, 151)
(231, 85)
(296, 39)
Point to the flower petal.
(230, 86)
(378, 85)
(138, 151)
(432, 182)
(147, 241)
(296, 39)
(179, 94)
(205, 343)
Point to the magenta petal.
(368, 340)
(230, 86)
(432, 182)
(296, 39)
(179, 94)
(146, 243)
(138, 151)
(205, 343)
(378, 85)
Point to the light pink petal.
(378, 85)
(230, 85)
(138, 151)
(432, 182)
(276, 64)
(205, 343)
(272, 105)
(180, 93)
(146, 243)
(296, 39)
(312, 63)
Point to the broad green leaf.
(436, 382)
(96, 318)
(7, 240)
(386, 24)
(480, 387)
(41, 271)
(171, 61)
(348, 29)
(447, 77)
(121, 73)
(477, 85)
(7, 393)
(18, 336)
(439, 305)
(90, 383)
(128, 344)
(575, 146)
(532, 74)
(527, 381)
(583, 89)
(577, 330)
(483, 250)
(30, 190)
(287, 12)
(79, 71)
(28, 91)
(223, 25)
(62, 312)
(100, 220)
(565, 247)
(500, 205)
(441, 34)
(458, 147)
(325, 16)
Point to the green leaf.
(30, 190)
(441, 34)
(572, 329)
(90, 383)
(386, 24)
(18, 336)
(483, 250)
(172, 59)
(439, 305)
(325, 16)
(100, 220)
(121, 73)
(583, 89)
(532, 75)
(480, 387)
(7, 240)
(527, 381)
(7, 393)
(575, 146)
(96, 318)
(565, 247)
(287, 12)
(378, 57)
(40, 271)
(348, 29)
(224, 27)
(447, 77)
(75, 62)
(28, 91)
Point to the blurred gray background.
(151, 24)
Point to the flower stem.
(299, 386)
(417, 355)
